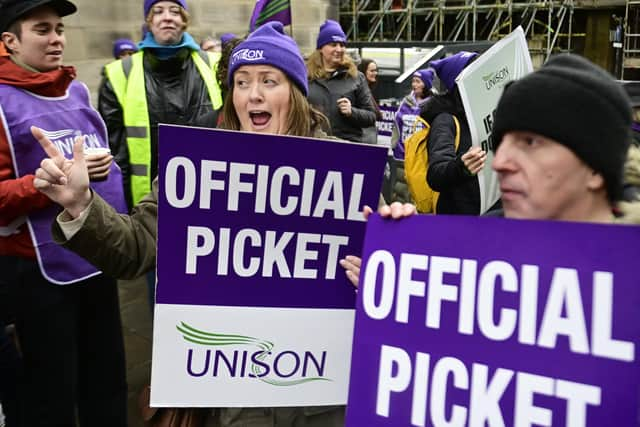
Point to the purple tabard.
(61, 119)
(495, 321)
(294, 173)
(406, 122)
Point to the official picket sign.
(481, 85)
(466, 321)
(252, 307)
(384, 125)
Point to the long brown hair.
(223, 64)
(363, 66)
(315, 67)
(303, 120)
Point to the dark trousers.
(72, 348)
(9, 377)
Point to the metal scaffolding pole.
(459, 20)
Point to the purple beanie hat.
(448, 68)
(269, 45)
(121, 45)
(426, 76)
(330, 32)
(226, 37)
(148, 4)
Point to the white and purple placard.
(385, 125)
(252, 308)
(466, 321)
(481, 85)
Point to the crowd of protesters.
(65, 364)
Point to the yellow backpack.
(416, 164)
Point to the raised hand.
(474, 160)
(64, 181)
(344, 105)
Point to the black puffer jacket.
(176, 94)
(459, 192)
(324, 94)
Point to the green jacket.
(131, 248)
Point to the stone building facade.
(92, 29)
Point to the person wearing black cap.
(66, 312)
(556, 161)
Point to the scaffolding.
(547, 24)
(631, 40)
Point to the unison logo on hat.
(248, 55)
(337, 39)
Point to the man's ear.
(595, 181)
(10, 40)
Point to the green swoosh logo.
(200, 337)
(488, 76)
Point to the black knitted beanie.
(577, 104)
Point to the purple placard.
(228, 241)
(402, 370)
(385, 125)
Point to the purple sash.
(61, 119)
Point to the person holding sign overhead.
(266, 95)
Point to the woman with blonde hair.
(267, 95)
(337, 88)
(279, 104)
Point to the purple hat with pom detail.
(448, 68)
(269, 45)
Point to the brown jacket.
(131, 248)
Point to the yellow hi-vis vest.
(127, 79)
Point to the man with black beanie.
(562, 136)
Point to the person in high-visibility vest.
(170, 80)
